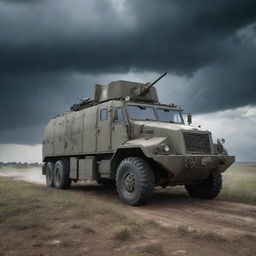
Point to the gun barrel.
(142, 90)
(154, 82)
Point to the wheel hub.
(129, 182)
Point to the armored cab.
(124, 135)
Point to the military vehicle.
(123, 135)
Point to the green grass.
(183, 229)
(122, 234)
(239, 184)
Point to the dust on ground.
(30, 174)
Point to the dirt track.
(225, 218)
(212, 227)
(169, 209)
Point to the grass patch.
(88, 230)
(153, 223)
(239, 184)
(152, 249)
(183, 228)
(209, 235)
(70, 243)
(249, 236)
(122, 234)
(75, 226)
(134, 225)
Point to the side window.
(119, 118)
(103, 114)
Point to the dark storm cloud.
(91, 36)
(44, 43)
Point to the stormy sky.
(53, 52)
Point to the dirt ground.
(91, 220)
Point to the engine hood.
(172, 132)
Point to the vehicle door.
(119, 127)
(103, 128)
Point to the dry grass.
(153, 223)
(152, 250)
(200, 234)
(208, 235)
(88, 230)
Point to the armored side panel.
(70, 119)
(87, 170)
(77, 133)
(104, 168)
(59, 135)
(49, 138)
(90, 129)
(121, 89)
(73, 168)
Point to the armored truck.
(125, 136)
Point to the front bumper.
(189, 169)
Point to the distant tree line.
(20, 164)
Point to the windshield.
(141, 113)
(169, 115)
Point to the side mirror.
(189, 119)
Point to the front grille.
(197, 142)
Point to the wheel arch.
(161, 175)
(121, 154)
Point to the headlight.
(162, 149)
(221, 141)
(166, 148)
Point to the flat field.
(89, 219)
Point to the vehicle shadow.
(161, 197)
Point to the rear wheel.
(134, 181)
(49, 174)
(61, 175)
(208, 189)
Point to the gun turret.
(142, 90)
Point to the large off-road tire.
(134, 181)
(208, 189)
(61, 175)
(49, 174)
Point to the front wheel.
(61, 175)
(134, 181)
(208, 189)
